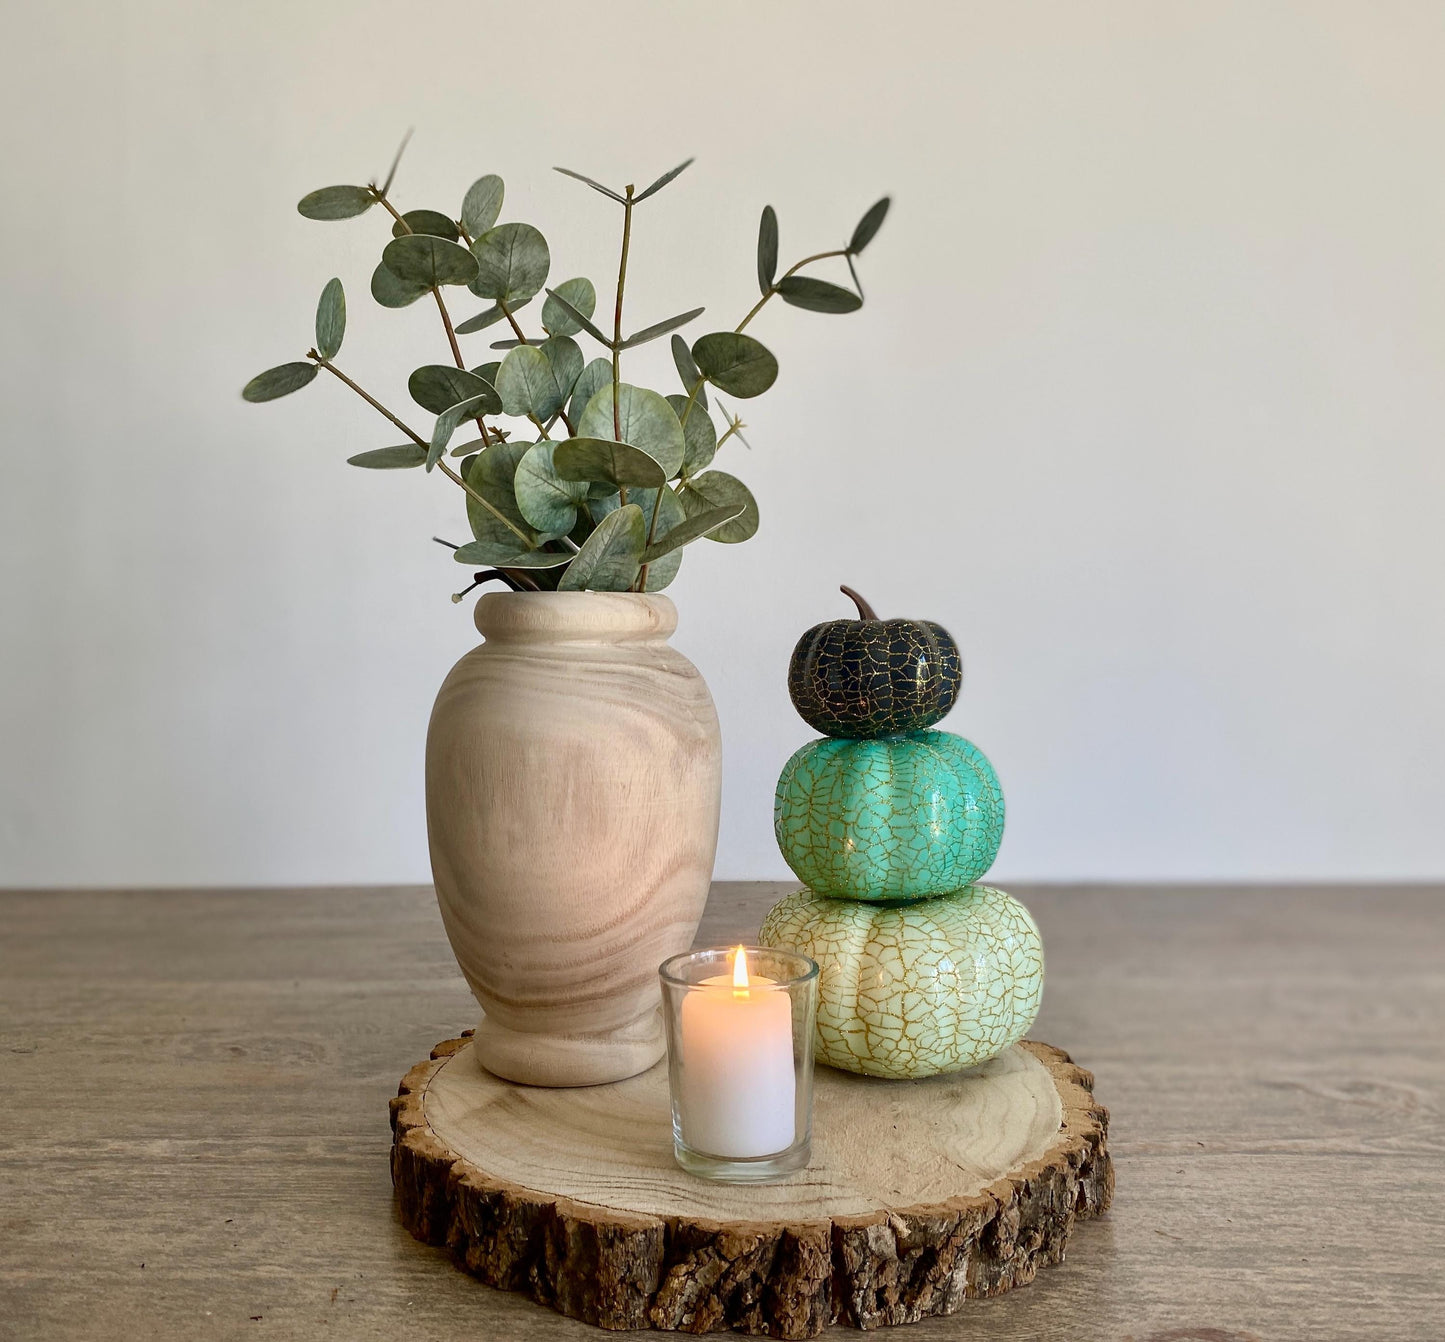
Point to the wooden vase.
(573, 782)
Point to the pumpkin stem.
(865, 611)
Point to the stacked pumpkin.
(890, 824)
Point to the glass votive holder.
(740, 1060)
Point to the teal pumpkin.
(913, 990)
(904, 817)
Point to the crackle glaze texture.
(912, 990)
(901, 818)
(862, 679)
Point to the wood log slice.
(919, 1195)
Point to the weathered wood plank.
(1273, 1061)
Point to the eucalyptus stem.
(617, 320)
(511, 321)
(691, 400)
(441, 308)
(451, 331)
(367, 397)
(773, 288)
(421, 442)
(389, 207)
(641, 584)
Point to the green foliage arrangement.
(612, 480)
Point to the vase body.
(912, 990)
(900, 818)
(573, 778)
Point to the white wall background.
(1146, 405)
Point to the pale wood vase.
(573, 781)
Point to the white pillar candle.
(737, 1092)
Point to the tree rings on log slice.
(919, 1196)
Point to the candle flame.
(740, 970)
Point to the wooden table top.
(195, 1135)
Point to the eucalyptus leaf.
(578, 299)
(482, 204)
(660, 182)
(493, 475)
(693, 526)
(431, 222)
(736, 363)
(672, 514)
(619, 464)
(802, 291)
(438, 386)
(699, 435)
(330, 319)
(503, 556)
(767, 248)
(446, 425)
(868, 225)
(583, 320)
(609, 559)
(660, 329)
(279, 381)
(590, 381)
(643, 419)
(565, 356)
(596, 186)
(392, 292)
(488, 371)
(687, 370)
(512, 263)
(526, 384)
(718, 489)
(661, 572)
(487, 317)
(420, 258)
(547, 501)
(512, 344)
(390, 458)
(336, 202)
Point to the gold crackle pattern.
(912, 990)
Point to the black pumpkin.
(865, 678)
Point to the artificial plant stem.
(441, 308)
(617, 320)
(772, 289)
(370, 399)
(651, 533)
(390, 208)
(512, 322)
(422, 442)
(457, 355)
(691, 401)
(451, 330)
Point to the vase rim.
(575, 615)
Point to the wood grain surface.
(919, 1196)
(874, 1144)
(195, 1139)
(564, 884)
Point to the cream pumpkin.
(912, 990)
